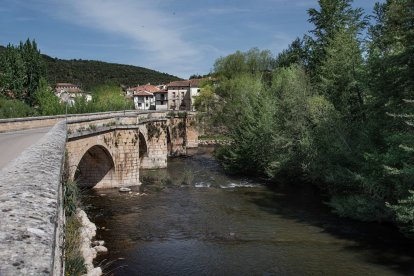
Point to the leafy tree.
(252, 62)
(22, 69)
(12, 108)
(49, 103)
(294, 54)
(332, 16)
(341, 74)
(34, 67)
(404, 210)
(391, 64)
(12, 73)
(110, 97)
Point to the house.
(194, 91)
(144, 98)
(161, 99)
(181, 94)
(68, 92)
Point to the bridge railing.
(14, 124)
(31, 224)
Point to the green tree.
(391, 64)
(332, 16)
(341, 74)
(34, 67)
(253, 61)
(12, 108)
(12, 73)
(49, 103)
(294, 54)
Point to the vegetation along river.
(195, 220)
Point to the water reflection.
(192, 219)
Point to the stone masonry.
(110, 159)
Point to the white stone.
(100, 249)
(36, 231)
(123, 189)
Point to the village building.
(181, 94)
(144, 98)
(68, 92)
(161, 99)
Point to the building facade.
(181, 94)
(144, 97)
(68, 92)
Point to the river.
(192, 219)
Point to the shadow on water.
(381, 243)
(195, 220)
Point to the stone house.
(143, 95)
(181, 94)
(68, 92)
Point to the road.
(14, 143)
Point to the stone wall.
(155, 137)
(119, 147)
(47, 121)
(191, 132)
(31, 224)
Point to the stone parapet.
(31, 224)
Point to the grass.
(74, 262)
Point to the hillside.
(90, 73)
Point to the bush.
(360, 208)
(14, 109)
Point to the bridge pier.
(155, 138)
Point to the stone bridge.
(102, 150)
(109, 152)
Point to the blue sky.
(179, 37)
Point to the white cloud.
(159, 37)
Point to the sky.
(179, 37)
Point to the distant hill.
(90, 73)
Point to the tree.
(35, 69)
(341, 74)
(332, 16)
(253, 61)
(294, 54)
(49, 103)
(22, 69)
(13, 73)
(391, 64)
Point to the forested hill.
(90, 73)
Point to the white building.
(144, 100)
(181, 94)
(68, 92)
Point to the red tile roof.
(143, 93)
(161, 91)
(67, 87)
(184, 83)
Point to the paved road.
(14, 143)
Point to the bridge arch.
(96, 167)
(143, 147)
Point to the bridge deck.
(12, 144)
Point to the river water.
(192, 219)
